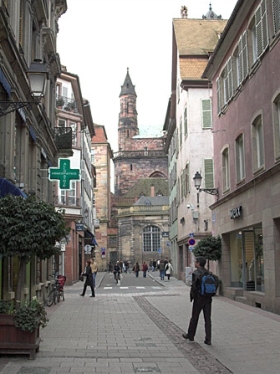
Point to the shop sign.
(165, 234)
(79, 227)
(236, 212)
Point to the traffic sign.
(159, 250)
(191, 241)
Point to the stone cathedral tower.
(137, 157)
(128, 126)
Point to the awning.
(7, 187)
(94, 242)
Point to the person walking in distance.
(168, 269)
(200, 302)
(144, 269)
(161, 270)
(136, 269)
(89, 280)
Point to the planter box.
(15, 341)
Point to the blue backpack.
(208, 285)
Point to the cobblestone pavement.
(142, 333)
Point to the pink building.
(244, 70)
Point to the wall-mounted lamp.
(197, 183)
(37, 76)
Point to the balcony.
(63, 141)
(65, 103)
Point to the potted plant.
(60, 102)
(28, 228)
(20, 328)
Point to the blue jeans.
(162, 274)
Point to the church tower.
(128, 126)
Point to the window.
(276, 15)
(186, 121)
(92, 156)
(257, 143)
(62, 197)
(235, 70)
(180, 132)
(225, 169)
(185, 181)
(73, 125)
(220, 96)
(243, 56)
(276, 120)
(151, 238)
(228, 82)
(209, 173)
(206, 114)
(259, 31)
(72, 193)
(239, 158)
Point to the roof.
(157, 200)
(100, 134)
(143, 187)
(127, 87)
(192, 68)
(197, 37)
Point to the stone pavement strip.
(142, 333)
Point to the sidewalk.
(138, 333)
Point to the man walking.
(200, 302)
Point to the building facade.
(189, 135)
(73, 113)
(29, 140)
(246, 95)
(140, 167)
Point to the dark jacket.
(196, 282)
(88, 275)
(117, 269)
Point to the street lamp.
(37, 76)
(197, 183)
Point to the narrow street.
(140, 330)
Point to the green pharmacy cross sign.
(64, 174)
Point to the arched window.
(151, 239)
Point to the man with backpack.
(203, 288)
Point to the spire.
(127, 87)
(210, 14)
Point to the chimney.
(152, 190)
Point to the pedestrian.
(154, 265)
(94, 268)
(168, 269)
(136, 269)
(144, 269)
(116, 272)
(89, 280)
(200, 302)
(161, 269)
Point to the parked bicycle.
(57, 291)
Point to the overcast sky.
(99, 39)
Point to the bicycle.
(57, 291)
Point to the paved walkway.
(142, 333)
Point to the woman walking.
(168, 269)
(89, 280)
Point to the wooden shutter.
(209, 173)
(206, 114)
(186, 121)
(276, 15)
